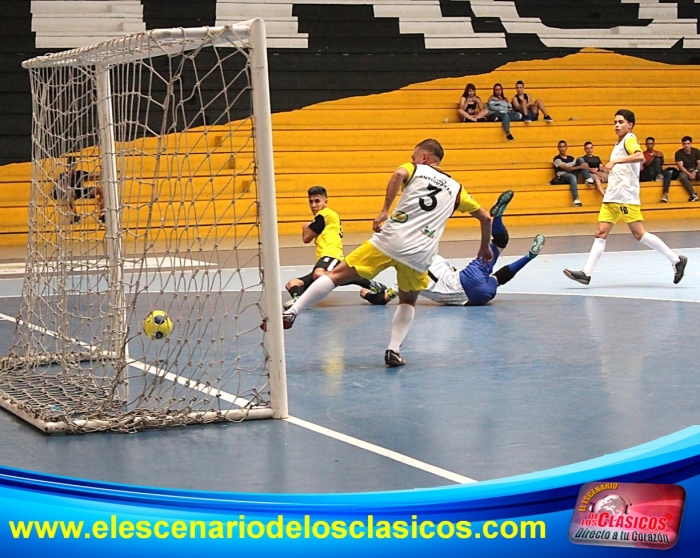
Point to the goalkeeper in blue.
(476, 284)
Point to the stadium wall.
(398, 54)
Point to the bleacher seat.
(60, 24)
(351, 145)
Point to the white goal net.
(152, 254)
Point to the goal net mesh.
(143, 198)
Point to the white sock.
(403, 318)
(318, 290)
(655, 243)
(596, 252)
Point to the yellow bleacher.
(352, 145)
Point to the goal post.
(152, 196)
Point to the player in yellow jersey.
(405, 239)
(622, 200)
(327, 233)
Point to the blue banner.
(529, 515)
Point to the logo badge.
(399, 217)
(632, 515)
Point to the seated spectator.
(688, 161)
(471, 108)
(595, 167)
(500, 110)
(653, 162)
(567, 170)
(71, 186)
(529, 109)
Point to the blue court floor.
(549, 374)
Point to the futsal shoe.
(679, 269)
(287, 321)
(499, 208)
(393, 359)
(384, 296)
(287, 305)
(376, 287)
(537, 244)
(579, 276)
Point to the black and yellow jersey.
(329, 234)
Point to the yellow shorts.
(611, 213)
(368, 262)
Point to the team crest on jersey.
(399, 217)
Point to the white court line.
(449, 475)
(598, 295)
(367, 446)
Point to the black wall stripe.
(350, 51)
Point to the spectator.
(567, 170)
(70, 186)
(653, 162)
(595, 167)
(500, 110)
(688, 161)
(529, 109)
(471, 108)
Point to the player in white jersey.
(622, 200)
(406, 240)
(475, 284)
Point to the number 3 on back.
(429, 203)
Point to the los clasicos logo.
(635, 515)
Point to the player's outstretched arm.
(485, 220)
(392, 189)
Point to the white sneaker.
(590, 181)
(287, 305)
(577, 203)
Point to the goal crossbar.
(137, 124)
(138, 46)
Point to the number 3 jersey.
(412, 232)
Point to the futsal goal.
(152, 191)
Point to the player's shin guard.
(307, 280)
(403, 318)
(362, 282)
(376, 298)
(296, 291)
(504, 275)
(501, 239)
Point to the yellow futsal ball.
(158, 325)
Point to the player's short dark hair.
(687, 138)
(627, 115)
(433, 147)
(520, 82)
(317, 191)
(587, 143)
(562, 141)
(650, 138)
